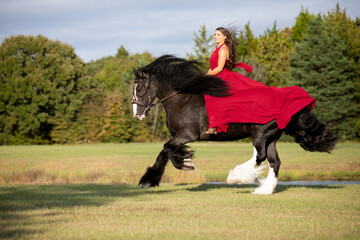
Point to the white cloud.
(97, 28)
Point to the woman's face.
(219, 37)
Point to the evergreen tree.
(203, 48)
(319, 65)
(347, 30)
(42, 85)
(273, 53)
(247, 43)
(300, 26)
(122, 52)
(258, 73)
(246, 53)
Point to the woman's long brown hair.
(231, 43)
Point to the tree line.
(49, 95)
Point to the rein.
(171, 95)
(151, 103)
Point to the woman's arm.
(223, 55)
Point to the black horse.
(180, 85)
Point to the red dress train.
(253, 102)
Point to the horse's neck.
(165, 93)
(185, 111)
(182, 103)
(170, 98)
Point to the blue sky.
(98, 28)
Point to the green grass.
(178, 211)
(125, 163)
(91, 192)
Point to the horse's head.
(144, 94)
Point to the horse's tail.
(310, 133)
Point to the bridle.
(151, 103)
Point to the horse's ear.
(136, 72)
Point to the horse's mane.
(185, 76)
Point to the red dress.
(251, 101)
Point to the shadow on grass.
(207, 186)
(17, 201)
(250, 187)
(24, 208)
(283, 188)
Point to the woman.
(249, 101)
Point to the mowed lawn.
(91, 192)
(178, 211)
(125, 163)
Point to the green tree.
(246, 53)
(43, 84)
(300, 26)
(203, 48)
(247, 43)
(94, 67)
(258, 73)
(88, 125)
(116, 77)
(347, 30)
(122, 52)
(273, 54)
(118, 125)
(320, 66)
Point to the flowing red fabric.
(253, 102)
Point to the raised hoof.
(188, 165)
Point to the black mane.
(185, 76)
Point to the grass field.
(178, 211)
(90, 192)
(125, 163)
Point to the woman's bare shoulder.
(224, 48)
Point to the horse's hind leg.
(264, 141)
(248, 171)
(154, 174)
(269, 184)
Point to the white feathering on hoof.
(247, 172)
(268, 186)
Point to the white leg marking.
(267, 186)
(246, 172)
(134, 109)
(136, 99)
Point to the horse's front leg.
(179, 154)
(154, 174)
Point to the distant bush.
(42, 85)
